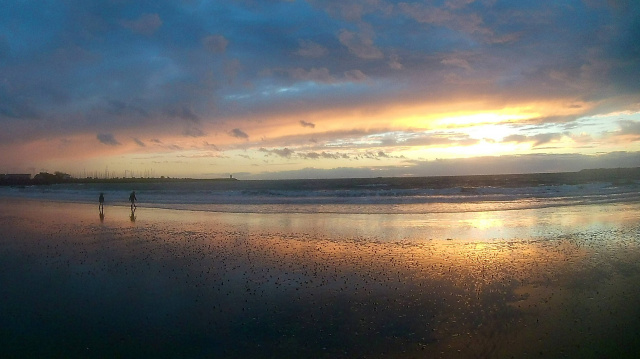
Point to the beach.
(540, 282)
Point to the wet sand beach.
(553, 283)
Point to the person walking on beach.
(133, 199)
(101, 203)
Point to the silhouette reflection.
(101, 206)
(132, 217)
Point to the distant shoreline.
(36, 182)
(616, 175)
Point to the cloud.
(630, 128)
(232, 68)
(191, 120)
(206, 154)
(167, 68)
(355, 76)
(375, 137)
(284, 152)
(534, 163)
(394, 62)
(628, 131)
(311, 49)
(206, 144)
(426, 13)
(193, 131)
(583, 139)
(538, 140)
(360, 44)
(238, 133)
(107, 139)
(184, 113)
(121, 108)
(307, 124)
(321, 75)
(216, 44)
(139, 143)
(375, 155)
(348, 10)
(310, 155)
(451, 17)
(457, 62)
(334, 156)
(18, 109)
(385, 138)
(146, 24)
(457, 4)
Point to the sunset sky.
(317, 89)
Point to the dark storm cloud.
(228, 59)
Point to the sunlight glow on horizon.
(466, 136)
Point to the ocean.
(411, 195)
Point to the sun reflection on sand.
(279, 284)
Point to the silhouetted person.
(101, 203)
(133, 199)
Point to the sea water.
(415, 195)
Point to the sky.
(268, 89)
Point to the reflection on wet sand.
(221, 286)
